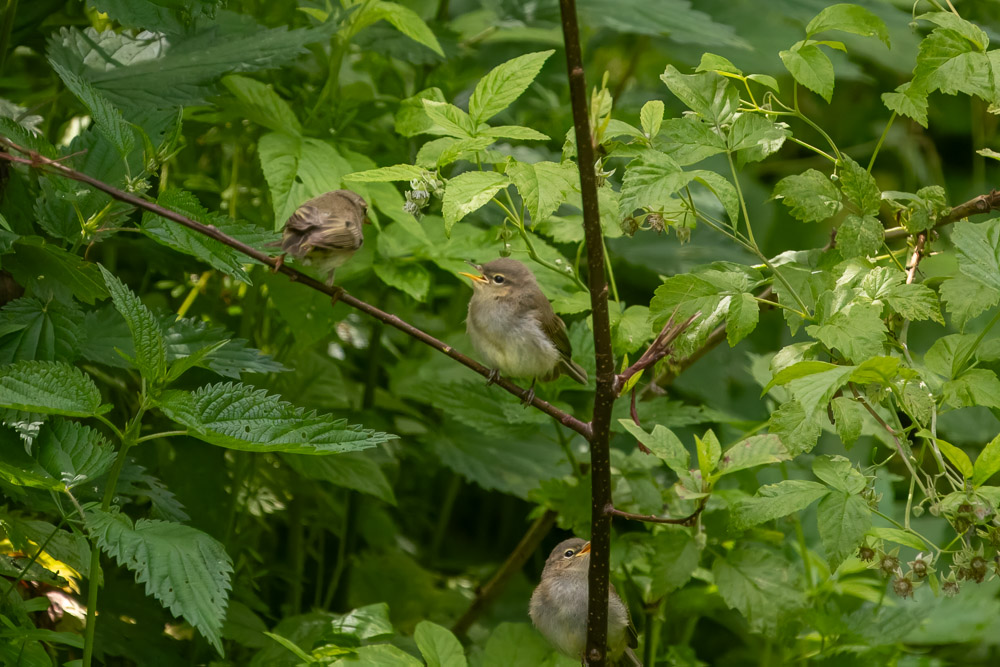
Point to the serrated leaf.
(977, 386)
(810, 196)
(238, 416)
(365, 623)
(651, 117)
(741, 319)
(438, 646)
(797, 430)
(51, 388)
(987, 463)
(73, 453)
(47, 268)
(543, 186)
(810, 67)
(512, 132)
(411, 278)
(31, 329)
(468, 192)
(707, 94)
(843, 520)
(713, 63)
(949, 62)
(186, 336)
(849, 418)
(849, 18)
(397, 172)
(350, 470)
(777, 500)
(857, 331)
(650, 181)
(258, 102)
(758, 584)
(859, 186)
(754, 451)
(448, 120)
(147, 335)
(689, 140)
(187, 570)
(860, 236)
(505, 83)
(663, 443)
(965, 298)
(19, 469)
(908, 101)
(723, 190)
(402, 19)
(754, 137)
(978, 246)
(107, 117)
(840, 473)
(958, 458)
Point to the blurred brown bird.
(325, 231)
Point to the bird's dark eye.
(498, 280)
(568, 553)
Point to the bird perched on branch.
(514, 328)
(325, 231)
(558, 606)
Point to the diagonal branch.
(38, 161)
(604, 398)
(658, 349)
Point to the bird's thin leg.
(279, 261)
(493, 376)
(530, 396)
(329, 278)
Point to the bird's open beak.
(584, 550)
(477, 278)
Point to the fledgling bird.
(514, 328)
(326, 231)
(558, 606)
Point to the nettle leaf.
(469, 192)
(760, 585)
(438, 646)
(402, 19)
(187, 570)
(31, 329)
(107, 117)
(147, 335)
(810, 196)
(238, 416)
(843, 520)
(51, 388)
(978, 246)
(707, 94)
(543, 186)
(849, 18)
(257, 102)
(810, 67)
(297, 169)
(186, 336)
(19, 469)
(47, 268)
(505, 83)
(859, 186)
(775, 501)
(73, 453)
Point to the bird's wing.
(555, 328)
(310, 227)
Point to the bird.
(513, 327)
(558, 607)
(325, 231)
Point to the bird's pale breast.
(512, 342)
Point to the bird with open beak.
(326, 231)
(514, 328)
(558, 606)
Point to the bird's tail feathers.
(575, 371)
(630, 659)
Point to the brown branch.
(652, 518)
(600, 450)
(911, 267)
(488, 592)
(41, 162)
(658, 349)
(975, 206)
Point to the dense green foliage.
(256, 477)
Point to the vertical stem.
(6, 26)
(600, 458)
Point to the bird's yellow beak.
(585, 549)
(476, 278)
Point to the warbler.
(326, 231)
(558, 606)
(514, 328)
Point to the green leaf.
(298, 169)
(73, 453)
(840, 473)
(689, 140)
(398, 172)
(237, 416)
(899, 537)
(47, 269)
(365, 623)
(849, 18)
(517, 645)
(651, 117)
(31, 329)
(631, 331)
(757, 450)
(859, 186)
(857, 331)
(965, 298)
(439, 646)
(543, 186)
(186, 336)
(797, 430)
(958, 458)
(350, 470)
(777, 500)
(663, 443)
(978, 246)
(977, 386)
(675, 18)
(754, 137)
(19, 469)
(814, 391)
(187, 570)
(860, 236)
(907, 101)
(51, 388)
(147, 335)
(107, 117)
(949, 62)
(505, 83)
(448, 120)
(759, 585)
(741, 318)
(810, 196)
(650, 181)
(849, 417)
(258, 103)
(709, 453)
(810, 67)
(723, 190)
(843, 520)
(987, 463)
(713, 63)
(402, 19)
(707, 94)
(408, 277)
(468, 192)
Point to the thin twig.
(658, 349)
(911, 267)
(976, 205)
(488, 592)
(652, 518)
(598, 579)
(41, 162)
